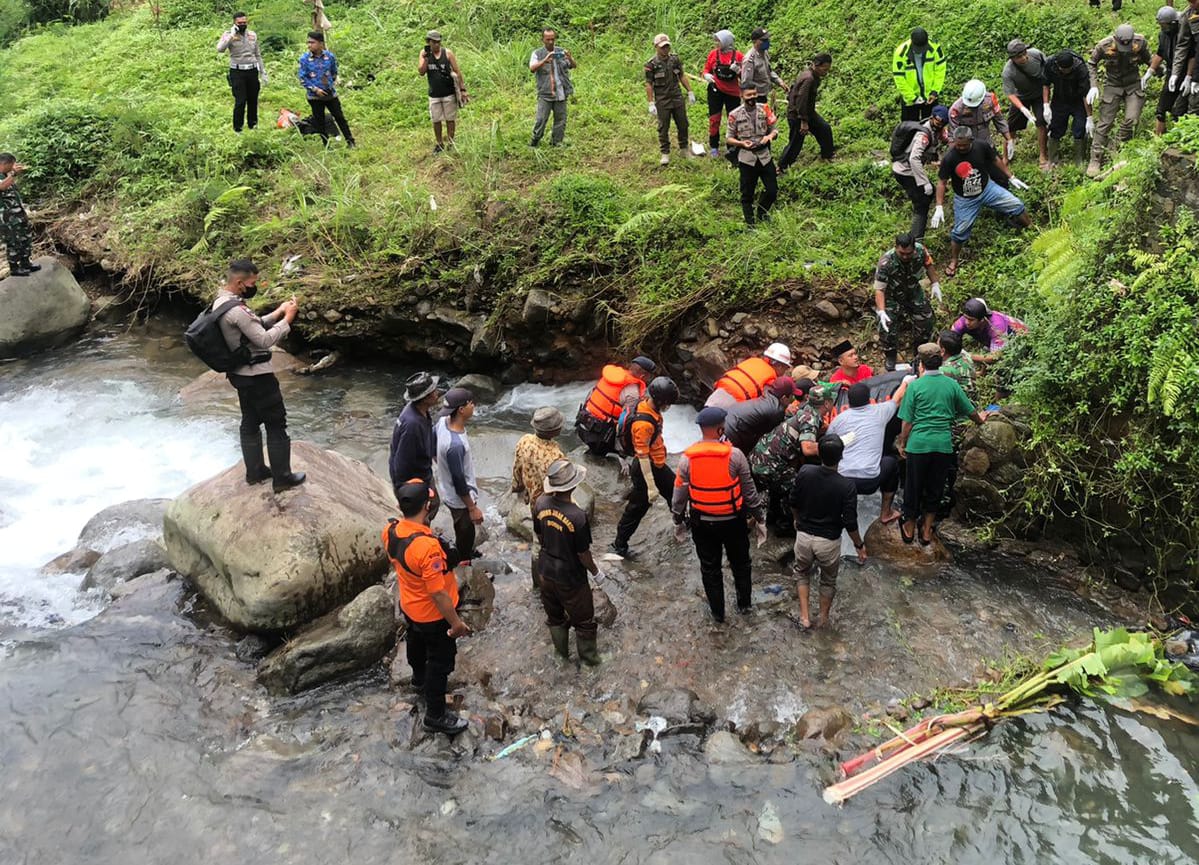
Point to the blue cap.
(710, 417)
(645, 363)
(941, 113)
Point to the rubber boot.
(588, 652)
(890, 358)
(1055, 148)
(251, 455)
(279, 450)
(30, 266)
(1094, 167)
(560, 634)
(1080, 151)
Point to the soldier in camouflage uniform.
(776, 458)
(899, 298)
(14, 223)
(957, 364)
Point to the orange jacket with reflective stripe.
(748, 379)
(420, 568)
(604, 401)
(714, 489)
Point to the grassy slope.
(154, 157)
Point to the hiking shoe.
(288, 481)
(665, 160)
(437, 148)
(1093, 168)
(623, 552)
(449, 723)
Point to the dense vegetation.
(126, 121)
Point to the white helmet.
(778, 352)
(974, 92)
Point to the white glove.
(936, 290)
(1047, 113)
(1194, 87)
(599, 575)
(266, 79)
(1090, 126)
(884, 320)
(760, 533)
(1032, 118)
(938, 217)
(710, 78)
(1018, 183)
(1145, 78)
(928, 189)
(1172, 84)
(1011, 148)
(1184, 84)
(1091, 96)
(690, 97)
(908, 379)
(653, 109)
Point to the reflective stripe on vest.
(748, 379)
(604, 401)
(714, 490)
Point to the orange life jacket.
(714, 489)
(604, 401)
(748, 379)
(399, 538)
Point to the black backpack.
(203, 336)
(624, 429)
(901, 139)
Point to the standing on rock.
(899, 298)
(428, 593)
(748, 379)
(645, 443)
(850, 368)
(530, 463)
(413, 447)
(258, 392)
(931, 406)
(564, 562)
(665, 82)
(778, 456)
(14, 222)
(245, 68)
(617, 389)
(748, 421)
(715, 490)
(824, 504)
(454, 470)
(446, 87)
(863, 431)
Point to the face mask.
(249, 291)
(765, 45)
(241, 28)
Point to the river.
(135, 733)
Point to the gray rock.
(605, 610)
(628, 747)
(536, 311)
(976, 496)
(145, 581)
(724, 748)
(126, 563)
(269, 563)
(584, 496)
(884, 542)
(121, 523)
(710, 362)
(343, 642)
(485, 388)
(823, 723)
(676, 705)
(76, 561)
(828, 309)
(43, 310)
(999, 438)
(518, 520)
(976, 462)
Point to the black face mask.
(241, 28)
(249, 291)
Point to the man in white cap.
(564, 562)
(412, 446)
(1120, 56)
(749, 379)
(665, 82)
(447, 88)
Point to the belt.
(243, 66)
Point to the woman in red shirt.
(722, 72)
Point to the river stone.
(999, 438)
(517, 518)
(979, 497)
(710, 362)
(126, 562)
(343, 642)
(883, 542)
(676, 705)
(605, 610)
(725, 748)
(269, 562)
(76, 561)
(43, 310)
(485, 388)
(823, 723)
(145, 581)
(212, 386)
(828, 309)
(975, 462)
(121, 523)
(536, 311)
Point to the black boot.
(251, 455)
(17, 270)
(449, 723)
(279, 450)
(889, 363)
(26, 264)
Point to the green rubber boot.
(588, 653)
(561, 637)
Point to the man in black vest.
(447, 90)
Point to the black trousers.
(750, 175)
(718, 103)
(915, 112)
(638, 502)
(245, 86)
(318, 107)
(924, 484)
(261, 404)
(464, 532)
(1072, 114)
(921, 202)
(819, 127)
(713, 540)
(431, 653)
(570, 606)
(887, 479)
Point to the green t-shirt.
(931, 405)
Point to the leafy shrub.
(72, 11)
(64, 143)
(14, 14)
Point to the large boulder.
(123, 523)
(268, 562)
(345, 641)
(884, 542)
(485, 388)
(126, 562)
(212, 386)
(43, 310)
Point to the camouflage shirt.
(10, 199)
(779, 454)
(901, 280)
(960, 368)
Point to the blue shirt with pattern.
(318, 72)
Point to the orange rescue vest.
(604, 402)
(413, 592)
(714, 489)
(748, 379)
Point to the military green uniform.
(776, 458)
(14, 226)
(1121, 86)
(904, 298)
(960, 368)
(665, 76)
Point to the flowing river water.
(134, 733)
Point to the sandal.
(907, 539)
(951, 269)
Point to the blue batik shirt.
(318, 72)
